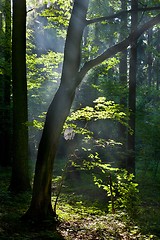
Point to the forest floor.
(76, 219)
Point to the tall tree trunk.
(2, 90)
(6, 126)
(20, 172)
(5, 100)
(123, 82)
(132, 90)
(158, 62)
(58, 111)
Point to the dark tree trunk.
(123, 82)
(2, 93)
(132, 91)
(5, 135)
(20, 172)
(58, 111)
(7, 81)
(158, 62)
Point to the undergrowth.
(79, 218)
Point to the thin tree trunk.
(123, 82)
(132, 91)
(150, 59)
(158, 62)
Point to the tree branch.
(120, 14)
(30, 10)
(116, 48)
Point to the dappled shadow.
(80, 217)
(12, 207)
(149, 209)
(14, 228)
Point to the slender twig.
(61, 185)
(111, 192)
(30, 10)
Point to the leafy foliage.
(119, 187)
(58, 14)
(117, 183)
(148, 130)
(101, 110)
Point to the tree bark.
(20, 171)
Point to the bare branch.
(30, 10)
(120, 14)
(116, 48)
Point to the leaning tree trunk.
(72, 75)
(58, 111)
